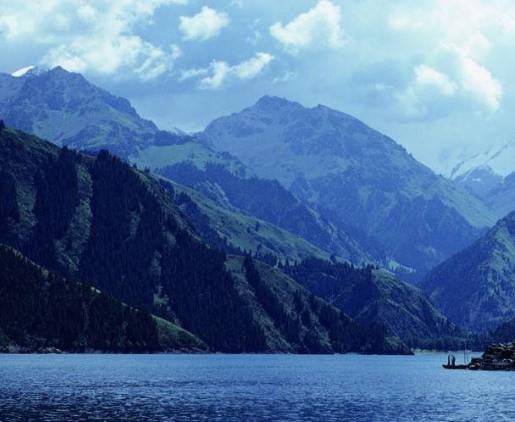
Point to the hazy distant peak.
(268, 102)
(499, 159)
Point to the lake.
(250, 388)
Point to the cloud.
(426, 76)
(479, 82)
(432, 93)
(204, 25)
(320, 26)
(285, 77)
(461, 45)
(95, 36)
(219, 72)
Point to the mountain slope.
(303, 321)
(269, 201)
(42, 310)
(97, 219)
(375, 296)
(235, 232)
(476, 287)
(354, 176)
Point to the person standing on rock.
(453, 360)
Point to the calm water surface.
(250, 388)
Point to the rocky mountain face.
(372, 295)
(476, 287)
(66, 109)
(355, 177)
(97, 219)
(41, 311)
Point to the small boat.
(456, 366)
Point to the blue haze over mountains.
(286, 182)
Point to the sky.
(435, 75)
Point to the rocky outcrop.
(497, 357)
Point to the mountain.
(480, 181)
(476, 287)
(98, 219)
(375, 296)
(491, 177)
(66, 109)
(355, 177)
(43, 311)
(496, 191)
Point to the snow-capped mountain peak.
(501, 161)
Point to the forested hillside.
(97, 219)
(41, 310)
(372, 295)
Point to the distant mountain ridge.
(491, 177)
(354, 176)
(500, 160)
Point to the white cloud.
(432, 92)
(427, 76)
(320, 26)
(479, 82)
(204, 25)
(219, 72)
(94, 36)
(285, 77)
(461, 44)
(251, 68)
(192, 73)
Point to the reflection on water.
(249, 387)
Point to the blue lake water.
(250, 388)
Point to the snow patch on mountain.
(30, 70)
(501, 160)
(24, 70)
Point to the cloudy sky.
(436, 75)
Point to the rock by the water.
(497, 357)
